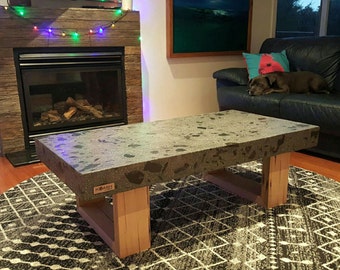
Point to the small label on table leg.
(103, 188)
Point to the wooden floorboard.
(11, 176)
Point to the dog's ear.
(270, 78)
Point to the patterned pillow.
(263, 63)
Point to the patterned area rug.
(195, 225)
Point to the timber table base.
(125, 225)
(121, 163)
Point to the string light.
(20, 10)
(75, 35)
(119, 11)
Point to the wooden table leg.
(271, 192)
(274, 187)
(131, 215)
(124, 225)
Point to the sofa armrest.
(236, 76)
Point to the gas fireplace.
(70, 89)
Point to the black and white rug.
(195, 225)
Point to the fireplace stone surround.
(18, 31)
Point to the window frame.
(324, 12)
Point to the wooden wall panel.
(17, 31)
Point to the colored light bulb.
(75, 36)
(20, 10)
(101, 30)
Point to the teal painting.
(209, 26)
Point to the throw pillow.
(263, 63)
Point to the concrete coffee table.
(122, 162)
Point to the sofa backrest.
(317, 54)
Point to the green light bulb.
(20, 11)
(75, 36)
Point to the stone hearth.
(18, 32)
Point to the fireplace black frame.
(65, 57)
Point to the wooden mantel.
(17, 32)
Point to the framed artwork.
(207, 28)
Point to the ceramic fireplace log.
(71, 111)
(89, 109)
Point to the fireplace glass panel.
(68, 97)
(70, 89)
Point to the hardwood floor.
(328, 168)
(11, 176)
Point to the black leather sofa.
(317, 54)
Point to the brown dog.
(288, 82)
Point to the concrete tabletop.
(146, 153)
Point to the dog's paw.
(267, 91)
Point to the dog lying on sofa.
(288, 82)
(316, 54)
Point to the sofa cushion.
(316, 109)
(237, 98)
(317, 54)
(263, 63)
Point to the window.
(307, 18)
(333, 18)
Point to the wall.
(180, 87)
